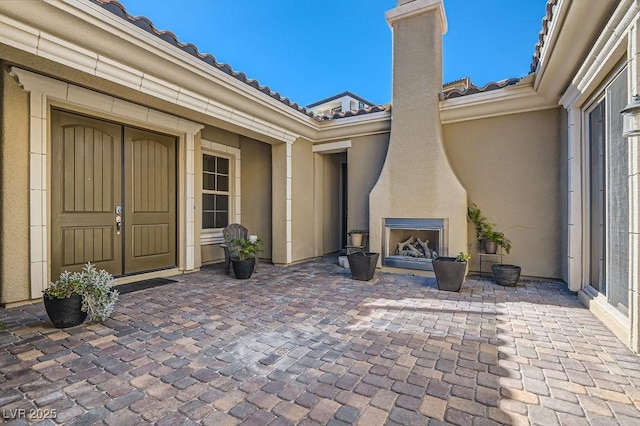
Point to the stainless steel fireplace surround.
(398, 230)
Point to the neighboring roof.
(450, 91)
(460, 84)
(463, 80)
(543, 34)
(473, 89)
(144, 23)
(338, 96)
(352, 113)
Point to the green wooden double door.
(113, 196)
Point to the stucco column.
(318, 217)
(281, 163)
(575, 226)
(190, 234)
(417, 180)
(19, 234)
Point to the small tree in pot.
(503, 274)
(485, 231)
(494, 239)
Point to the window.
(597, 206)
(607, 182)
(215, 192)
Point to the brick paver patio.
(307, 345)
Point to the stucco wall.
(365, 160)
(211, 253)
(14, 190)
(256, 190)
(302, 201)
(510, 167)
(332, 202)
(220, 136)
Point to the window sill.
(211, 236)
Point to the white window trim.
(214, 236)
(598, 303)
(586, 191)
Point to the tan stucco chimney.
(417, 180)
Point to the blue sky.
(308, 51)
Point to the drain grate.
(281, 351)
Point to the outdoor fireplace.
(413, 243)
(416, 180)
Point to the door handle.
(118, 219)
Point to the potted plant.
(451, 271)
(485, 231)
(243, 256)
(75, 296)
(503, 274)
(356, 237)
(363, 265)
(492, 239)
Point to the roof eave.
(356, 126)
(173, 75)
(515, 99)
(566, 44)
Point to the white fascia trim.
(559, 15)
(21, 36)
(85, 98)
(610, 46)
(508, 100)
(332, 147)
(417, 7)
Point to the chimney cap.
(409, 8)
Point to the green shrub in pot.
(95, 289)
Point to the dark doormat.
(143, 285)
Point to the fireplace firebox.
(413, 243)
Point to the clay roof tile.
(144, 23)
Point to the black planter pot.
(449, 273)
(65, 313)
(507, 275)
(243, 268)
(363, 265)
